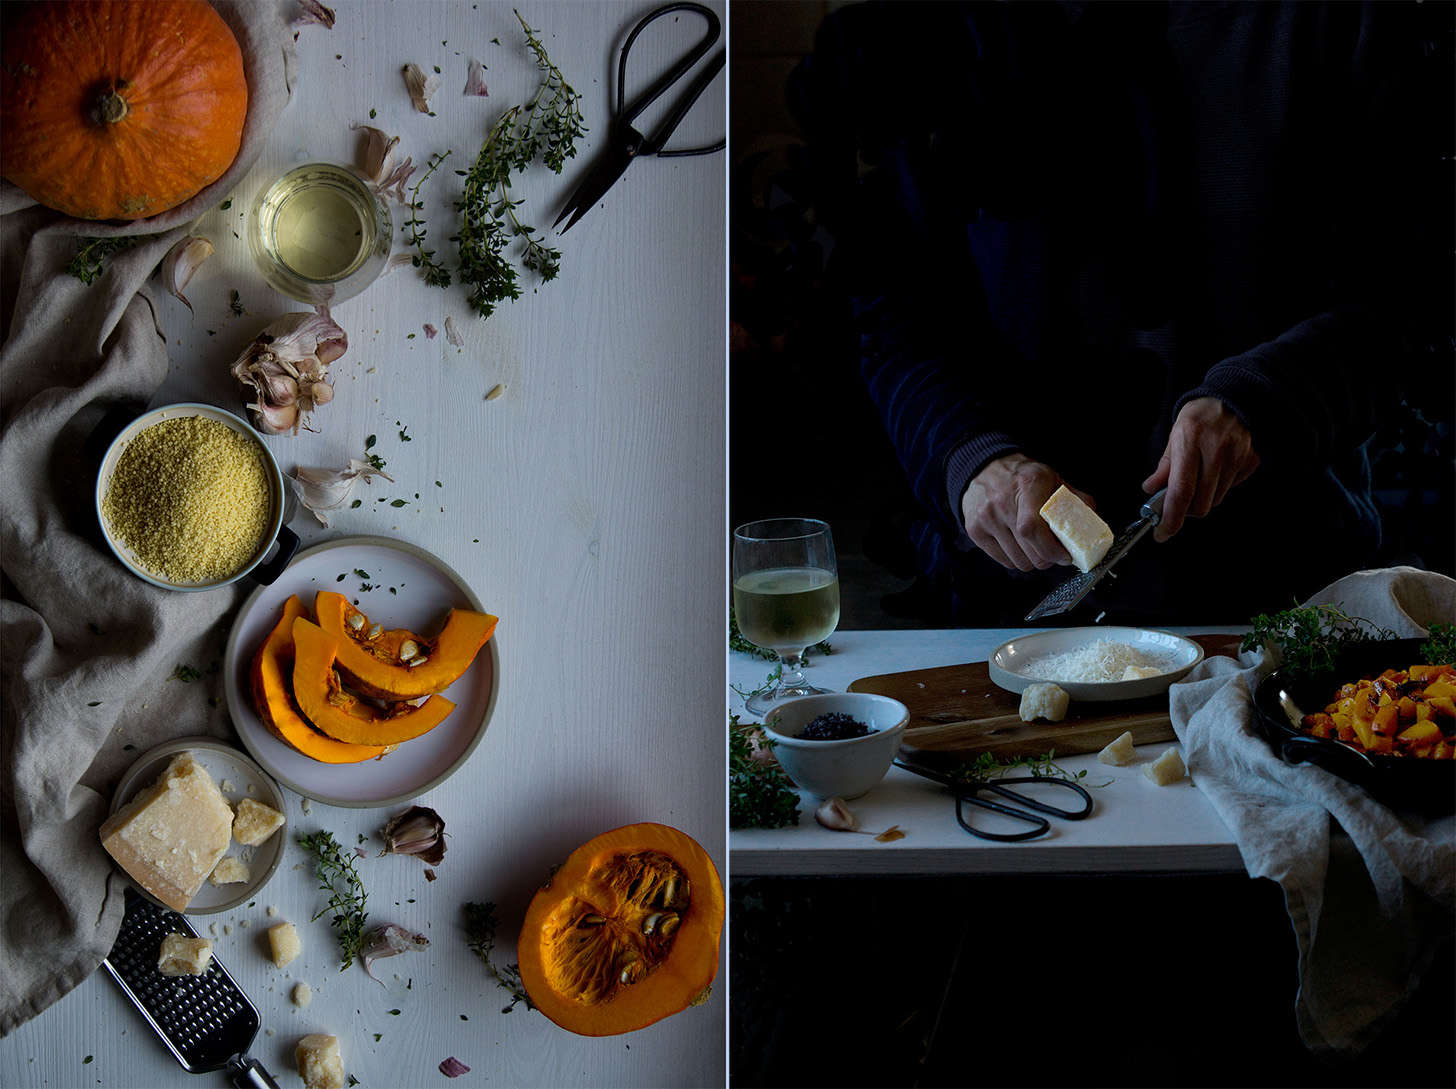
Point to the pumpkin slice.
(625, 933)
(338, 712)
(379, 666)
(272, 684)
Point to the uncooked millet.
(190, 498)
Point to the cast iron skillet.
(1401, 782)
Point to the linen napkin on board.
(87, 649)
(1370, 891)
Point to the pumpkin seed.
(375, 630)
(417, 660)
(356, 621)
(650, 923)
(408, 649)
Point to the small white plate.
(1013, 664)
(238, 778)
(407, 587)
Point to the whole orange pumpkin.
(118, 109)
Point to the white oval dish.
(407, 587)
(1012, 665)
(238, 777)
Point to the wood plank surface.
(957, 712)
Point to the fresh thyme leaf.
(772, 679)
(435, 273)
(988, 766)
(186, 673)
(480, 927)
(546, 128)
(235, 303)
(759, 795)
(1309, 637)
(92, 252)
(337, 877)
(1440, 645)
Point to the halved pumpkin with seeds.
(271, 680)
(398, 664)
(341, 714)
(625, 933)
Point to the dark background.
(1100, 980)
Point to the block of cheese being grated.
(1096, 662)
(1077, 526)
(171, 835)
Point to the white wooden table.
(584, 505)
(1136, 827)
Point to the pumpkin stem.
(110, 106)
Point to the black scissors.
(627, 143)
(967, 793)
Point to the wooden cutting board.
(957, 712)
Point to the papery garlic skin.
(475, 80)
(321, 491)
(182, 261)
(286, 366)
(387, 941)
(420, 86)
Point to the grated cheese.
(1096, 662)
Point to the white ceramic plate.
(1013, 665)
(407, 588)
(238, 778)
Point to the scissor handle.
(653, 146)
(1041, 824)
(999, 787)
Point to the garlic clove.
(387, 941)
(182, 261)
(378, 152)
(321, 491)
(277, 419)
(419, 831)
(835, 815)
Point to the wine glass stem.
(792, 675)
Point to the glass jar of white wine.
(320, 234)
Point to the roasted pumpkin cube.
(1407, 708)
(1443, 750)
(1365, 733)
(1443, 706)
(1387, 719)
(1421, 733)
(1439, 689)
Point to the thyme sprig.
(435, 273)
(1309, 637)
(1440, 645)
(545, 128)
(759, 795)
(480, 927)
(338, 877)
(91, 254)
(988, 766)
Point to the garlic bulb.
(321, 491)
(287, 368)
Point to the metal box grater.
(206, 1021)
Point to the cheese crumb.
(319, 1064)
(1168, 768)
(1119, 752)
(302, 994)
(184, 956)
(255, 822)
(230, 871)
(1085, 536)
(284, 943)
(1044, 701)
(1137, 672)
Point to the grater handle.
(1153, 508)
(249, 1074)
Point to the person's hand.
(1002, 513)
(1208, 452)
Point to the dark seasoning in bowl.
(834, 726)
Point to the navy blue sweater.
(1065, 222)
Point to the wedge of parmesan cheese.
(1044, 701)
(171, 835)
(1119, 752)
(319, 1064)
(1168, 768)
(1077, 526)
(184, 956)
(255, 822)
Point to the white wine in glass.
(785, 596)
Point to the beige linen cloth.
(1369, 890)
(87, 649)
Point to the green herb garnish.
(988, 766)
(186, 673)
(337, 877)
(546, 128)
(436, 274)
(759, 795)
(480, 927)
(1440, 645)
(92, 252)
(1310, 636)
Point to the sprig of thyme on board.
(91, 254)
(988, 766)
(435, 273)
(338, 877)
(545, 128)
(480, 927)
(759, 795)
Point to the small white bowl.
(276, 531)
(838, 769)
(1013, 665)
